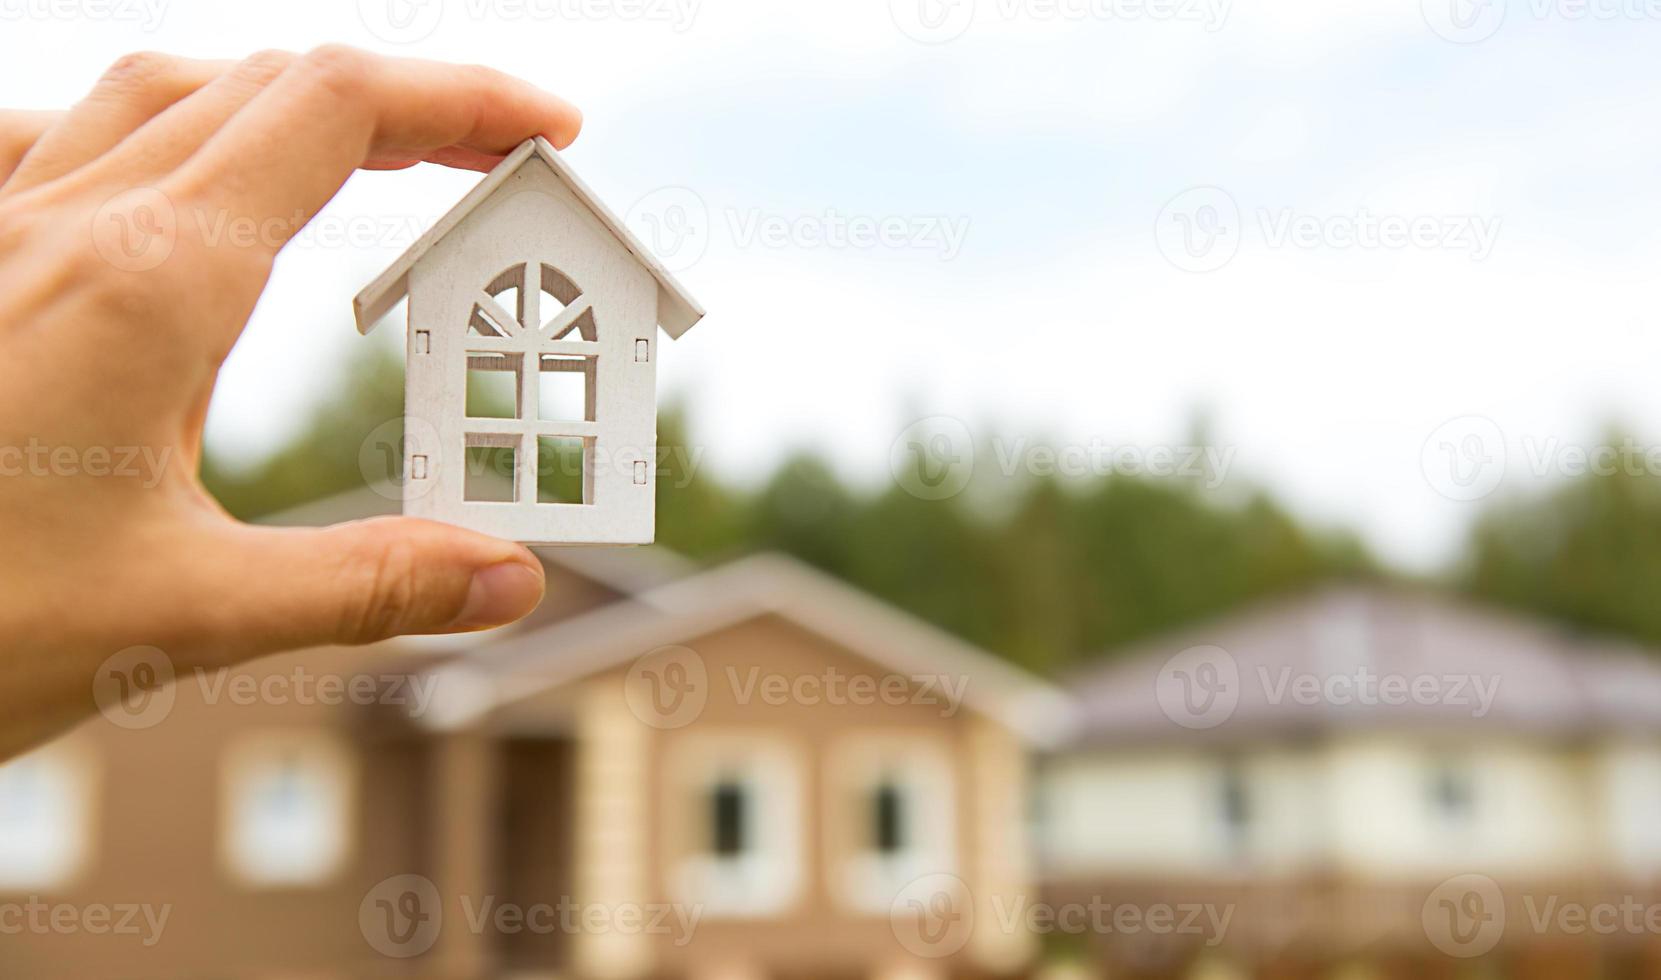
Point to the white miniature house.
(533, 317)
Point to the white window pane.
(289, 812)
(42, 820)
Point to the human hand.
(116, 312)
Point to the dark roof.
(1476, 669)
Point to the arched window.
(532, 316)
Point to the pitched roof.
(677, 311)
(523, 665)
(1541, 678)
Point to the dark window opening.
(727, 820)
(888, 819)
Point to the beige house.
(1366, 783)
(748, 772)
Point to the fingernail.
(499, 595)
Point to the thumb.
(371, 580)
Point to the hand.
(117, 307)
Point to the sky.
(1399, 254)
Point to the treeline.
(1045, 570)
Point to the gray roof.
(1369, 658)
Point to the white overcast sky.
(1050, 136)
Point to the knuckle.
(141, 69)
(342, 67)
(387, 597)
(263, 66)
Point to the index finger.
(19, 130)
(338, 109)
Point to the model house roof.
(523, 665)
(677, 311)
(1538, 677)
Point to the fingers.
(368, 581)
(19, 129)
(132, 92)
(166, 141)
(338, 109)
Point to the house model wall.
(531, 394)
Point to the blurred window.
(288, 810)
(43, 818)
(1452, 791)
(888, 818)
(1235, 804)
(743, 848)
(728, 819)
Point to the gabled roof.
(1542, 679)
(677, 311)
(527, 664)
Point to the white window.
(288, 809)
(741, 839)
(45, 812)
(896, 795)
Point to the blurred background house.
(1333, 767)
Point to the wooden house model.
(531, 395)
